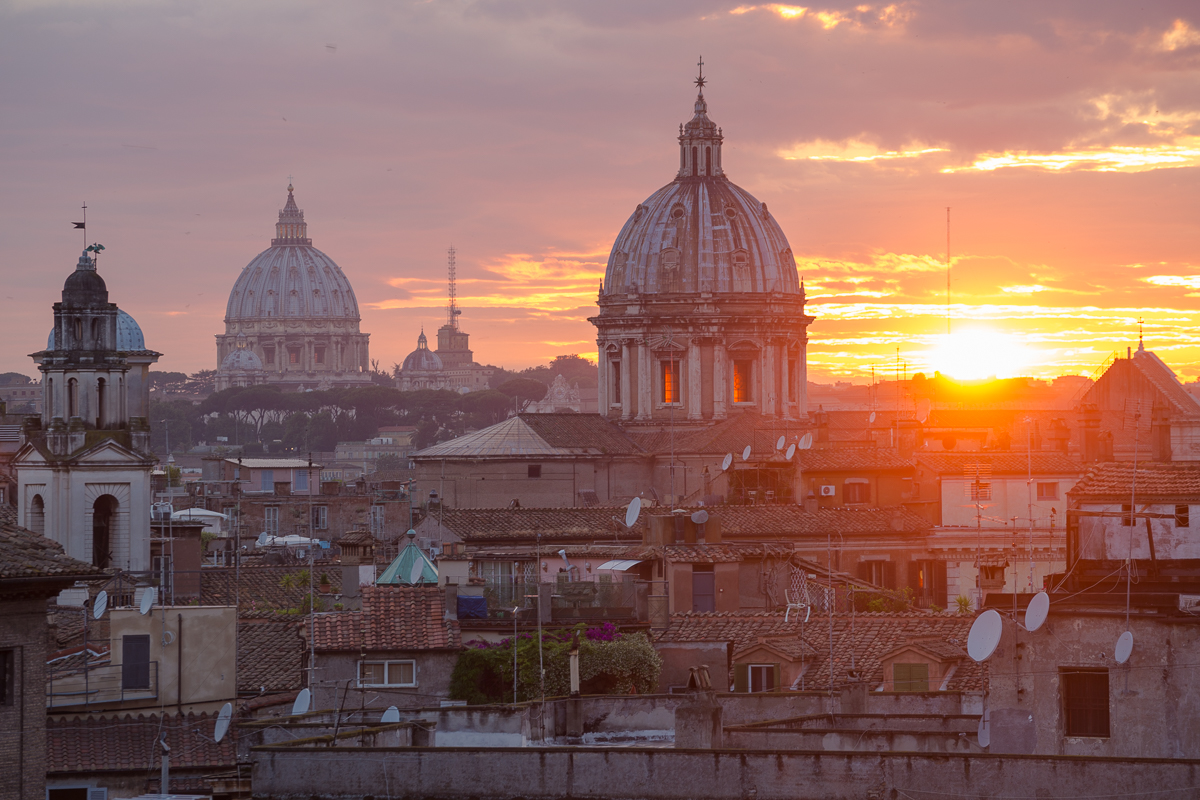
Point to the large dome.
(292, 279)
(701, 232)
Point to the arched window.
(708, 161)
(36, 520)
(97, 334)
(77, 326)
(72, 398)
(50, 398)
(104, 517)
(682, 158)
(101, 402)
(695, 161)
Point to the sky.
(1063, 137)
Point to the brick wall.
(23, 719)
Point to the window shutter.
(889, 574)
(937, 574)
(864, 571)
(741, 678)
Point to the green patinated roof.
(399, 572)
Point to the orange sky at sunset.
(1064, 137)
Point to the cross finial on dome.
(700, 79)
(290, 190)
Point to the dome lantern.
(700, 140)
(291, 228)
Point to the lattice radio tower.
(452, 310)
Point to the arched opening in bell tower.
(37, 515)
(104, 517)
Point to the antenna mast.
(452, 311)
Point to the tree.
(14, 379)
(489, 406)
(525, 390)
(203, 382)
(390, 461)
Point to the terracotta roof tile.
(868, 637)
(393, 618)
(122, 744)
(723, 552)
(270, 655)
(264, 591)
(1006, 463)
(558, 525)
(25, 554)
(1169, 480)
(581, 431)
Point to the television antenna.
(223, 718)
(871, 418)
(452, 309)
(984, 731)
(985, 635)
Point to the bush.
(609, 663)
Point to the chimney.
(358, 566)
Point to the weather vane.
(700, 80)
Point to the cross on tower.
(700, 80)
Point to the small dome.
(422, 359)
(243, 360)
(129, 334)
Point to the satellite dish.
(700, 517)
(725, 462)
(985, 635)
(871, 419)
(418, 569)
(806, 441)
(779, 442)
(984, 732)
(791, 451)
(1124, 647)
(223, 722)
(1035, 615)
(148, 598)
(923, 408)
(301, 705)
(101, 605)
(746, 453)
(632, 512)
(391, 715)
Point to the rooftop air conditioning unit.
(828, 491)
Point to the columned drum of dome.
(701, 308)
(293, 309)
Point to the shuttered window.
(755, 677)
(704, 590)
(135, 662)
(1085, 702)
(910, 677)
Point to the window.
(980, 490)
(910, 677)
(856, 490)
(928, 582)
(704, 594)
(7, 679)
(319, 355)
(377, 518)
(300, 481)
(534, 471)
(880, 573)
(1047, 491)
(269, 355)
(387, 673)
(741, 381)
(271, 519)
(616, 382)
(135, 662)
(320, 518)
(793, 380)
(293, 356)
(1126, 515)
(762, 677)
(72, 398)
(1085, 702)
(708, 161)
(266, 480)
(670, 381)
(1182, 517)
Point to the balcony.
(103, 684)
(571, 601)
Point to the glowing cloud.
(1031, 289)
(1179, 37)
(1111, 159)
(1190, 281)
(853, 150)
(888, 16)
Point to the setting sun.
(978, 353)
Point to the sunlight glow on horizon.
(977, 353)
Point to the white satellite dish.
(101, 605)
(984, 732)
(301, 705)
(148, 598)
(806, 441)
(223, 722)
(1035, 614)
(923, 408)
(746, 453)
(1124, 647)
(725, 462)
(779, 442)
(985, 635)
(391, 715)
(871, 419)
(632, 512)
(418, 569)
(700, 517)
(791, 451)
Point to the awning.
(619, 565)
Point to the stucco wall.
(338, 671)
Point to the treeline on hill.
(266, 419)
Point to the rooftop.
(25, 554)
(538, 435)
(1168, 480)
(393, 618)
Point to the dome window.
(730, 212)
(677, 212)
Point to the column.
(626, 388)
(645, 388)
(802, 368)
(602, 368)
(785, 397)
(767, 381)
(694, 405)
(720, 370)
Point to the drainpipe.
(179, 666)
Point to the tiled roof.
(274, 463)
(729, 436)
(553, 524)
(1164, 379)
(264, 591)
(270, 655)
(710, 553)
(1154, 479)
(868, 637)
(848, 459)
(546, 435)
(1005, 463)
(25, 554)
(8, 514)
(393, 618)
(791, 521)
(130, 744)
